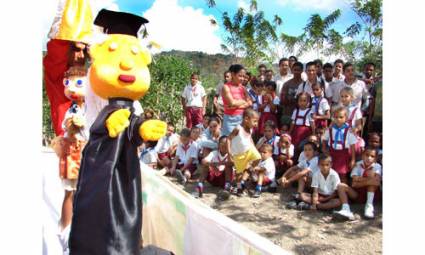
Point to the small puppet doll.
(69, 146)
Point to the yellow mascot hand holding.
(117, 122)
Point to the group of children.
(321, 149)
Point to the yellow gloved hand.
(153, 130)
(117, 122)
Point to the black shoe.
(303, 206)
(272, 189)
(224, 194)
(256, 194)
(292, 204)
(200, 192)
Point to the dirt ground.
(302, 232)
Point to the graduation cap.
(119, 22)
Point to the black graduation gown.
(107, 209)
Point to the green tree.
(169, 75)
(370, 46)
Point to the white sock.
(370, 196)
(346, 207)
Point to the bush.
(169, 76)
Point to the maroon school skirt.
(300, 133)
(265, 116)
(340, 160)
(218, 179)
(321, 123)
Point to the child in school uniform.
(366, 180)
(320, 108)
(186, 155)
(269, 137)
(217, 169)
(312, 139)
(265, 171)
(283, 159)
(242, 148)
(374, 141)
(267, 105)
(194, 101)
(340, 142)
(301, 173)
(148, 154)
(166, 147)
(300, 127)
(209, 138)
(355, 118)
(325, 185)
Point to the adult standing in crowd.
(218, 100)
(288, 92)
(235, 99)
(283, 76)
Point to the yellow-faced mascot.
(108, 203)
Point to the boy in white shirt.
(194, 101)
(242, 148)
(166, 147)
(217, 169)
(302, 172)
(186, 155)
(265, 171)
(366, 176)
(148, 155)
(325, 184)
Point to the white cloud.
(181, 28)
(324, 5)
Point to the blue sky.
(185, 24)
(294, 15)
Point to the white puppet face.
(75, 87)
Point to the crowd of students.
(310, 129)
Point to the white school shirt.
(185, 155)
(194, 95)
(358, 169)
(283, 151)
(341, 77)
(302, 113)
(326, 186)
(323, 106)
(357, 115)
(359, 88)
(350, 140)
(274, 141)
(242, 142)
(149, 156)
(268, 164)
(166, 142)
(305, 88)
(312, 164)
(280, 80)
(276, 101)
(328, 88)
(216, 157)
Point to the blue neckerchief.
(316, 101)
(339, 135)
(271, 141)
(253, 95)
(308, 163)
